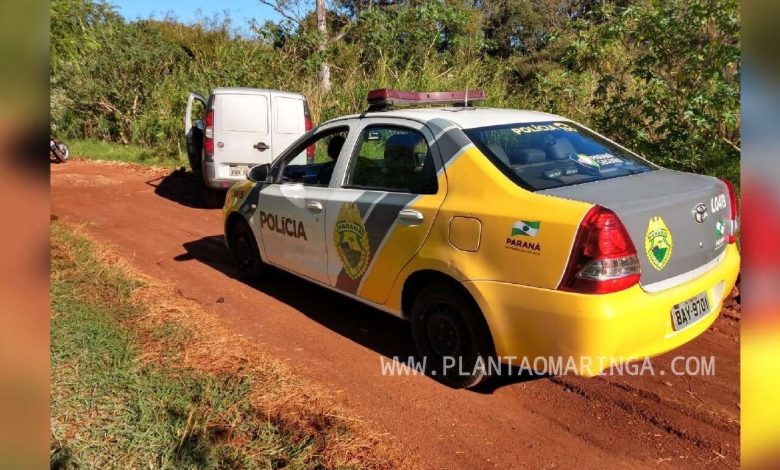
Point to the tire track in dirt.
(159, 221)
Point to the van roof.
(253, 91)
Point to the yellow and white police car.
(500, 234)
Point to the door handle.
(261, 146)
(314, 206)
(410, 217)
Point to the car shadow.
(186, 188)
(383, 333)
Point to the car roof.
(465, 118)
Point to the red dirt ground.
(159, 220)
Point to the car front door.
(384, 208)
(291, 210)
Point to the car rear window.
(543, 155)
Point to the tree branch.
(732, 144)
(277, 7)
(338, 36)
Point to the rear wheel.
(451, 336)
(245, 252)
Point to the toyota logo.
(700, 212)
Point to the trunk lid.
(659, 210)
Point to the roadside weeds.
(142, 376)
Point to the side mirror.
(259, 173)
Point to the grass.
(142, 377)
(111, 151)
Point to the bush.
(660, 77)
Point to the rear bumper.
(215, 176)
(596, 331)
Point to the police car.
(500, 234)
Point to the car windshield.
(543, 155)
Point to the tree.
(295, 14)
(322, 28)
(661, 77)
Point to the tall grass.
(127, 153)
(143, 378)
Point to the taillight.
(307, 120)
(731, 237)
(603, 257)
(208, 136)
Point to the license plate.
(238, 170)
(690, 311)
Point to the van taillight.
(603, 257)
(731, 237)
(208, 136)
(307, 120)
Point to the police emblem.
(658, 243)
(351, 240)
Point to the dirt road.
(158, 220)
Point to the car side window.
(321, 153)
(390, 158)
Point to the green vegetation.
(111, 151)
(659, 77)
(134, 386)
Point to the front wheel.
(245, 251)
(451, 336)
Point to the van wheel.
(451, 336)
(245, 252)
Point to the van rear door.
(289, 123)
(193, 129)
(242, 134)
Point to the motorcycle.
(58, 150)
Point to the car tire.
(447, 322)
(245, 251)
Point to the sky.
(187, 11)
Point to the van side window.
(323, 151)
(389, 158)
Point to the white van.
(238, 128)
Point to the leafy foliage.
(660, 77)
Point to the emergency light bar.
(386, 98)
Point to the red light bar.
(386, 97)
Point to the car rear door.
(289, 122)
(242, 133)
(193, 129)
(384, 207)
